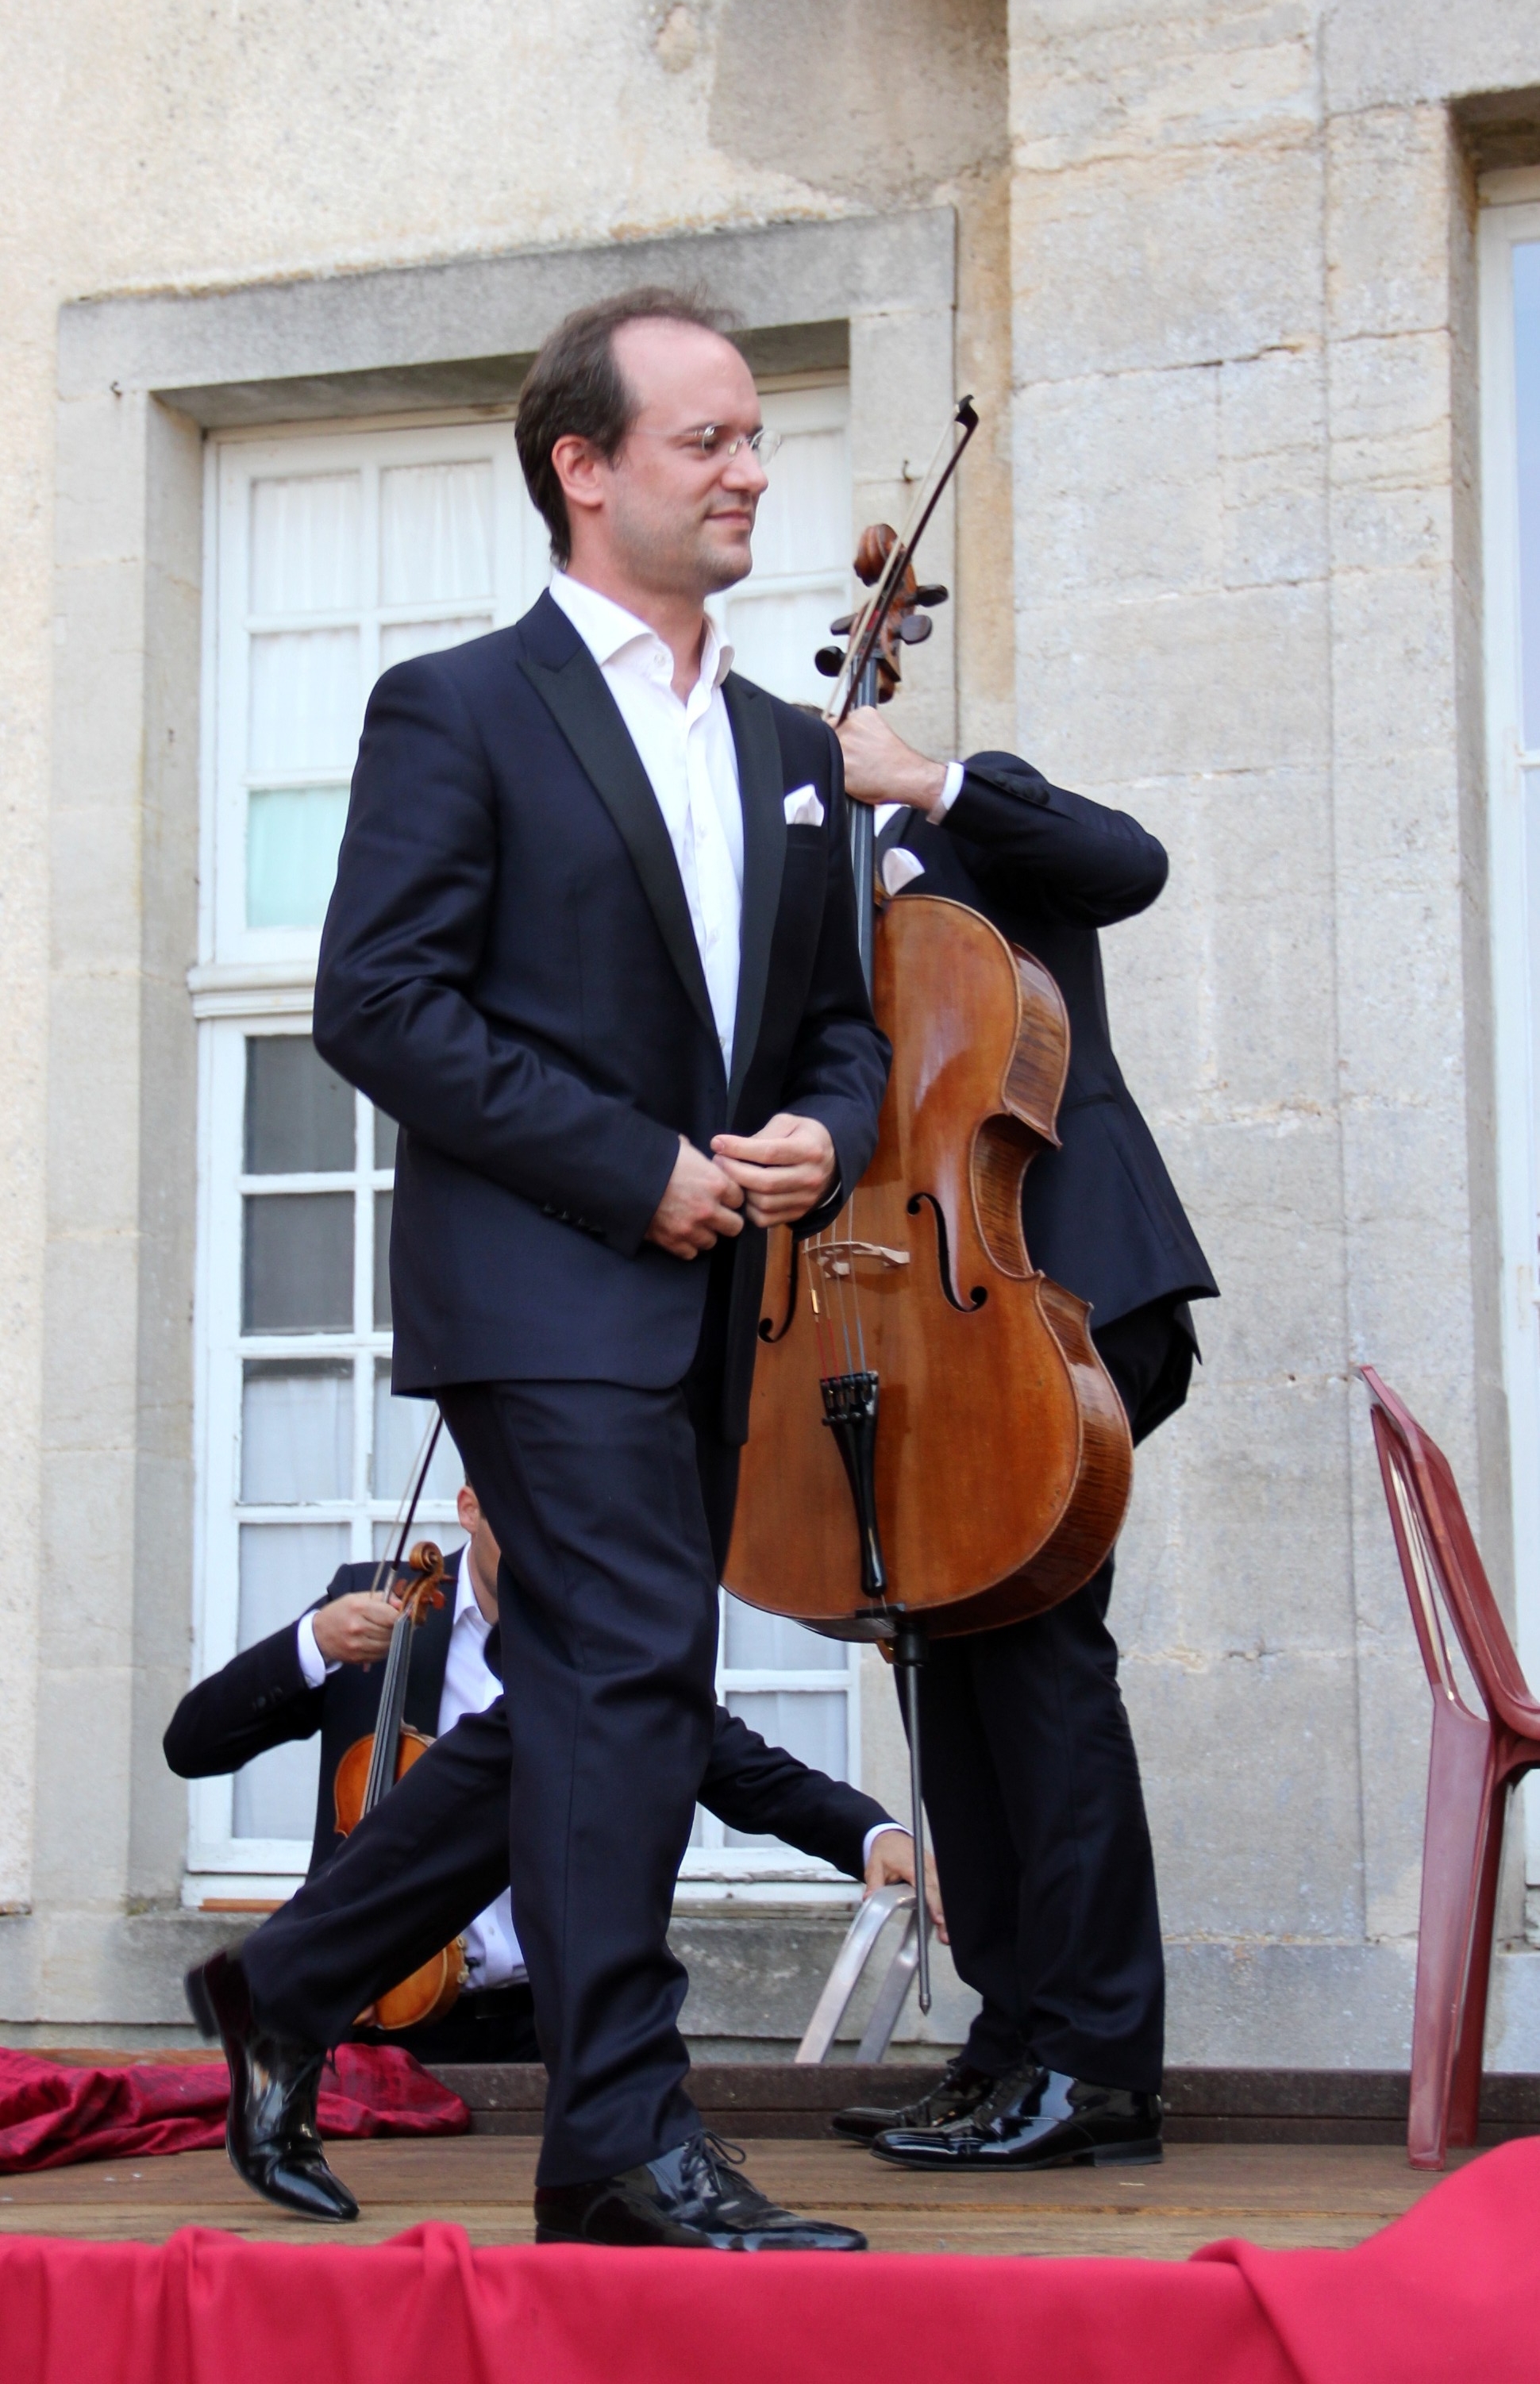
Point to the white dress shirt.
(492, 1955)
(688, 752)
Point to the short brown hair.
(577, 389)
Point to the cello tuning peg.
(936, 594)
(843, 628)
(828, 661)
(915, 628)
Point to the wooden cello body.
(1001, 1456)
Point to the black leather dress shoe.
(1035, 2118)
(270, 2131)
(956, 2094)
(690, 2198)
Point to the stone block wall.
(1218, 559)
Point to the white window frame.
(253, 981)
(1510, 214)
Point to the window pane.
(1526, 359)
(384, 1139)
(306, 700)
(810, 1727)
(298, 1262)
(299, 1113)
(435, 532)
(293, 834)
(774, 638)
(383, 1203)
(444, 1532)
(304, 544)
(399, 1426)
(399, 641)
(296, 1432)
(769, 1643)
(803, 518)
(284, 1568)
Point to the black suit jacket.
(1048, 869)
(260, 1699)
(508, 970)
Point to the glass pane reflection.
(297, 1263)
(299, 1113)
(296, 1432)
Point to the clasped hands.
(769, 1178)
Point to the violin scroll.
(426, 1563)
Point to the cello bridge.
(834, 1258)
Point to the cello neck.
(393, 1706)
(863, 841)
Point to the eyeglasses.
(712, 440)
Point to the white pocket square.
(803, 808)
(900, 869)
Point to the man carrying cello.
(1032, 1782)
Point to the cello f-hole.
(768, 1328)
(978, 1295)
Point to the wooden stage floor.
(1281, 2195)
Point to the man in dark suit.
(324, 1674)
(1032, 1782)
(592, 944)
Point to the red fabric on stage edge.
(1447, 2292)
(51, 2113)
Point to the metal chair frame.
(861, 1944)
(1473, 1762)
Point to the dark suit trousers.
(617, 1503)
(1032, 1795)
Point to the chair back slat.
(1442, 1568)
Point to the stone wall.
(1247, 607)
(1217, 561)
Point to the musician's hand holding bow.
(880, 768)
(783, 1171)
(356, 1629)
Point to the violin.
(371, 1766)
(934, 1446)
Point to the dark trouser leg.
(1034, 1797)
(608, 1607)
(431, 1856)
(970, 1829)
(427, 1859)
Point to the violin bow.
(866, 630)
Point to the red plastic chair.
(1473, 1762)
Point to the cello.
(934, 1446)
(371, 1766)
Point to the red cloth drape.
(52, 2112)
(1450, 2291)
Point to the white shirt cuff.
(313, 1664)
(869, 1841)
(947, 795)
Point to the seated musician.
(325, 1673)
(1031, 1783)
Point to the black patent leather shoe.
(270, 2131)
(1037, 2118)
(693, 2198)
(956, 2094)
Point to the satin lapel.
(589, 718)
(762, 792)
